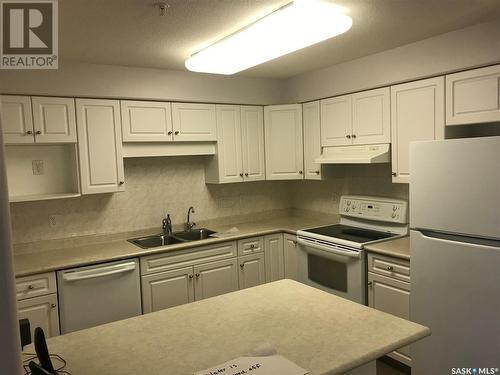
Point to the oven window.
(327, 272)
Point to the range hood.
(363, 154)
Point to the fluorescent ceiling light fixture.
(297, 25)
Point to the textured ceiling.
(131, 32)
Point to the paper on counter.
(262, 365)
(231, 232)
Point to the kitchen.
(149, 191)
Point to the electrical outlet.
(54, 220)
(37, 166)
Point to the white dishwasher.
(98, 294)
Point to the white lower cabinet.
(251, 270)
(274, 259)
(167, 289)
(291, 256)
(390, 294)
(41, 312)
(213, 279)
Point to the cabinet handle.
(197, 275)
(241, 174)
(29, 132)
(191, 276)
(370, 283)
(390, 268)
(242, 265)
(169, 132)
(348, 136)
(53, 306)
(252, 246)
(394, 174)
(294, 243)
(176, 132)
(38, 132)
(354, 136)
(121, 182)
(246, 174)
(317, 172)
(300, 172)
(31, 287)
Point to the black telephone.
(45, 367)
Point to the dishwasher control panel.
(374, 208)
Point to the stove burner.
(349, 233)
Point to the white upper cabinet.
(17, 119)
(146, 121)
(252, 141)
(357, 119)
(194, 122)
(283, 142)
(100, 146)
(417, 114)
(336, 121)
(312, 140)
(371, 117)
(473, 96)
(54, 120)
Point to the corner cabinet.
(284, 142)
(274, 257)
(100, 146)
(417, 114)
(473, 96)
(312, 140)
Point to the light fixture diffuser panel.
(295, 26)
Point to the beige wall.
(109, 81)
(470, 47)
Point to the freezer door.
(454, 292)
(94, 295)
(455, 186)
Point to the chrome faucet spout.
(167, 226)
(189, 223)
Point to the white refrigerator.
(455, 254)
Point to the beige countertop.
(54, 255)
(320, 332)
(400, 248)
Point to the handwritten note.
(267, 365)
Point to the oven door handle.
(328, 249)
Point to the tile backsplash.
(156, 186)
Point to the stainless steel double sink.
(158, 240)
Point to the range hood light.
(295, 26)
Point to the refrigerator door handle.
(461, 238)
(99, 272)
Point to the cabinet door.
(312, 140)
(274, 259)
(336, 121)
(194, 122)
(251, 270)
(146, 121)
(393, 297)
(252, 140)
(417, 114)
(167, 289)
(213, 279)
(290, 257)
(42, 312)
(371, 117)
(17, 119)
(473, 96)
(54, 120)
(283, 142)
(228, 155)
(100, 146)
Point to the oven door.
(332, 268)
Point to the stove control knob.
(394, 208)
(348, 203)
(347, 209)
(393, 215)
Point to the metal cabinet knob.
(242, 265)
(191, 276)
(300, 172)
(169, 132)
(121, 182)
(246, 174)
(370, 283)
(38, 132)
(294, 243)
(354, 135)
(53, 305)
(390, 268)
(348, 136)
(197, 275)
(394, 174)
(252, 246)
(176, 132)
(31, 287)
(317, 172)
(29, 132)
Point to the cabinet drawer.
(251, 245)
(35, 285)
(188, 257)
(388, 266)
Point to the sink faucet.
(190, 224)
(167, 226)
